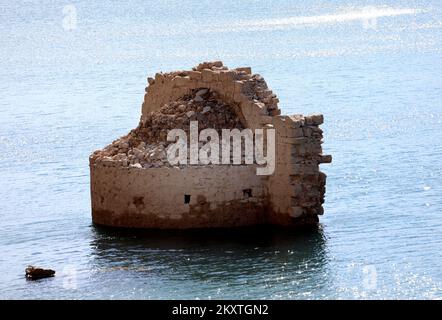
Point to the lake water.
(72, 78)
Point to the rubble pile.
(253, 85)
(146, 145)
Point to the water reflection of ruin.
(214, 259)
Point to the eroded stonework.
(133, 185)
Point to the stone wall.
(297, 188)
(220, 195)
(248, 93)
(225, 196)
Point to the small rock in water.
(34, 273)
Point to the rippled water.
(69, 86)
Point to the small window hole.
(187, 198)
(247, 193)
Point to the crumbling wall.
(146, 145)
(297, 188)
(133, 194)
(247, 93)
(197, 197)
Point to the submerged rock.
(34, 273)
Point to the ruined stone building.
(133, 184)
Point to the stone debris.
(34, 273)
(145, 146)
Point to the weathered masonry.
(133, 185)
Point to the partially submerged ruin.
(134, 185)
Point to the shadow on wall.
(219, 254)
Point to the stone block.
(247, 70)
(217, 64)
(194, 75)
(216, 76)
(297, 120)
(294, 141)
(295, 212)
(238, 86)
(325, 158)
(239, 97)
(181, 81)
(207, 75)
(266, 120)
(227, 76)
(159, 78)
(295, 133)
(314, 119)
(296, 169)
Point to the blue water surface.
(72, 78)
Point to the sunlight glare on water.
(70, 84)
